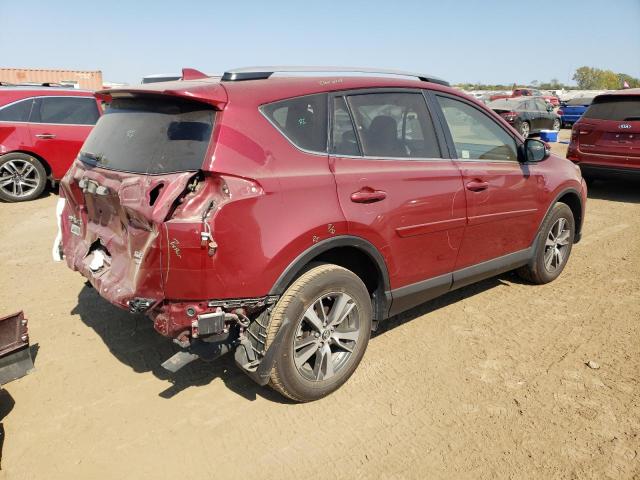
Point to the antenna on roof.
(192, 74)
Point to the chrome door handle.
(45, 135)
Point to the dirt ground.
(487, 382)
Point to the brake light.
(573, 146)
(509, 116)
(560, 112)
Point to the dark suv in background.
(41, 132)
(287, 216)
(605, 141)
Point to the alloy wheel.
(524, 129)
(326, 336)
(19, 178)
(556, 125)
(557, 245)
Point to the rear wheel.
(556, 124)
(553, 246)
(329, 310)
(525, 129)
(22, 177)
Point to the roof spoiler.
(262, 73)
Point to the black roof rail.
(262, 73)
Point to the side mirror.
(549, 107)
(535, 150)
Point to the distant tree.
(589, 78)
(586, 78)
(535, 83)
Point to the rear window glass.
(579, 101)
(150, 135)
(66, 110)
(302, 120)
(621, 108)
(16, 112)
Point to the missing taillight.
(154, 193)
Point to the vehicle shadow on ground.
(6, 405)
(133, 340)
(626, 191)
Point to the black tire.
(539, 270)
(525, 129)
(34, 182)
(317, 285)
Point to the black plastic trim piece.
(578, 232)
(491, 268)
(412, 295)
(240, 76)
(380, 297)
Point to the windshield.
(619, 108)
(150, 135)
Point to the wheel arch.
(353, 253)
(572, 199)
(45, 164)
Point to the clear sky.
(492, 41)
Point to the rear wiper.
(95, 158)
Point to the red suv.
(41, 132)
(605, 141)
(286, 216)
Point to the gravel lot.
(487, 382)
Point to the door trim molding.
(409, 296)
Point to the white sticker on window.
(465, 153)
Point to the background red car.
(528, 92)
(605, 141)
(41, 132)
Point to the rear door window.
(16, 112)
(394, 125)
(619, 108)
(66, 111)
(302, 120)
(150, 135)
(474, 134)
(540, 105)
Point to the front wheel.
(553, 246)
(22, 177)
(329, 312)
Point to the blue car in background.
(571, 110)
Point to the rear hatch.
(609, 131)
(138, 167)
